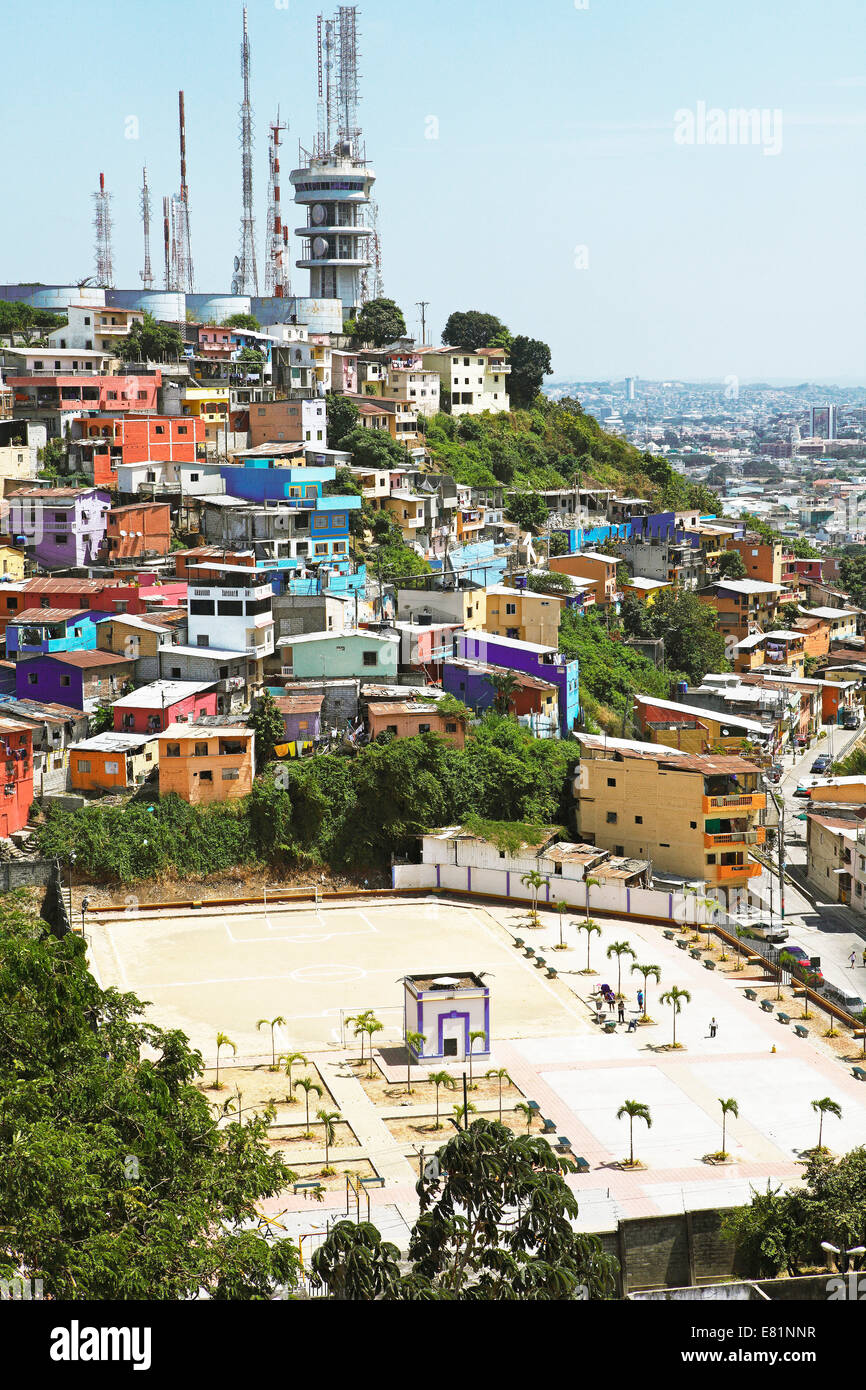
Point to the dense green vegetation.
(116, 1181)
(852, 574)
(248, 321)
(611, 672)
(689, 629)
(151, 341)
(379, 321)
(348, 811)
(17, 317)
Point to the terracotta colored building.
(206, 762)
(106, 441)
(16, 788)
(111, 762)
(139, 530)
(591, 565)
(406, 719)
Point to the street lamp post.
(844, 1254)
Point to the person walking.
(621, 1008)
(864, 957)
(713, 1027)
(640, 1000)
(852, 958)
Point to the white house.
(446, 1010)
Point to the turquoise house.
(369, 656)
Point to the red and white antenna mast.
(102, 236)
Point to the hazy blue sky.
(556, 131)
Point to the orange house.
(405, 720)
(206, 761)
(138, 530)
(599, 570)
(816, 634)
(110, 762)
(104, 441)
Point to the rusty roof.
(85, 660)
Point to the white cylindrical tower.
(335, 191)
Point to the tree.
(729, 1107)
(649, 972)
(380, 321)
(269, 728)
(150, 341)
(372, 1026)
(620, 949)
(562, 907)
(505, 685)
(222, 1041)
(342, 415)
(248, 321)
(823, 1107)
(559, 543)
(732, 565)
(272, 1023)
(473, 1038)
(534, 881)
(592, 929)
(355, 1263)
(499, 1074)
(329, 1120)
(460, 1113)
(359, 1020)
(588, 883)
(439, 1079)
(414, 1043)
(118, 1181)
(472, 330)
(635, 1110)
(527, 1111)
(530, 363)
(291, 1060)
(308, 1086)
(768, 1233)
(676, 997)
(551, 583)
(692, 639)
(373, 449)
(528, 510)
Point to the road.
(822, 928)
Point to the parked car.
(801, 966)
(822, 763)
(803, 790)
(767, 930)
(849, 719)
(844, 997)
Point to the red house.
(152, 708)
(16, 788)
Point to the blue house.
(39, 631)
(534, 659)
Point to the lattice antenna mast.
(277, 264)
(246, 277)
(147, 273)
(166, 236)
(326, 45)
(102, 236)
(183, 271)
(348, 130)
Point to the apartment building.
(62, 526)
(101, 444)
(206, 762)
(696, 817)
(470, 382)
(524, 614)
(138, 531)
(779, 647)
(230, 607)
(744, 606)
(96, 329)
(591, 567)
(294, 421)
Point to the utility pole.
(423, 305)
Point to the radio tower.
(277, 267)
(166, 236)
(102, 234)
(182, 270)
(246, 276)
(147, 273)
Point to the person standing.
(851, 959)
(621, 1007)
(640, 1000)
(713, 1027)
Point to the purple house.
(62, 526)
(302, 717)
(73, 678)
(531, 657)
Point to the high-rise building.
(629, 388)
(333, 183)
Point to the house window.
(200, 750)
(371, 658)
(638, 820)
(112, 769)
(230, 774)
(67, 680)
(83, 764)
(205, 776)
(172, 750)
(423, 728)
(611, 817)
(611, 781)
(32, 678)
(450, 728)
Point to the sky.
(547, 162)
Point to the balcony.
(757, 836)
(751, 801)
(732, 873)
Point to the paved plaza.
(222, 969)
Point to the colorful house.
(16, 787)
(522, 613)
(111, 762)
(73, 678)
(594, 567)
(408, 718)
(778, 647)
(55, 728)
(153, 707)
(101, 444)
(202, 763)
(43, 630)
(373, 656)
(302, 718)
(139, 530)
(533, 658)
(534, 701)
(62, 526)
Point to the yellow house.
(693, 816)
(11, 562)
(210, 404)
(129, 635)
(524, 614)
(206, 762)
(647, 590)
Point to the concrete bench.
(750, 994)
(530, 952)
(783, 1018)
(582, 1163)
(767, 1005)
(709, 964)
(695, 952)
(540, 962)
(534, 1106)
(376, 1181)
(299, 1186)
(801, 1031)
(551, 972)
(610, 1025)
(669, 935)
(859, 1073)
(682, 942)
(563, 1144)
(519, 942)
(549, 1126)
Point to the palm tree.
(499, 1074)
(620, 949)
(676, 998)
(329, 1119)
(462, 1112)
(505, 685)
(742, 934)
(526, 1109)
(291, 1059)
(825, 1107)
(635, 1110)
(473, 1037)
(534, 881)
(729, 1107)
(307, 1085)
(592, 929)
(562, 907)
(222, 1041)
(359, 1020)
(414, 1043)
(711, 906)
(648, 972)
(441, 1078)
(590, 883)
(272, 1023)
(371, 1026)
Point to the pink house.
(152, 708)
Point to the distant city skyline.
(585, 173)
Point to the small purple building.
(302, 717)
(536, 660)
(62, 526)
(73, 678)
